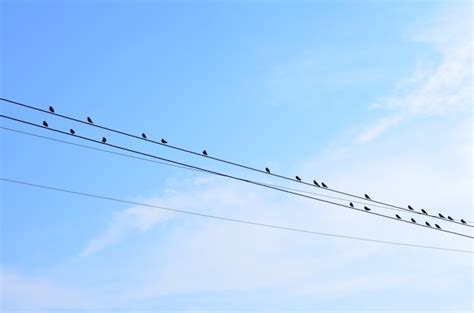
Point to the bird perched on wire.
(409, 207)
(367, 197)
(351, 204)
(51, 109)
(441, 215)
(366, 208)
(413, 220)
(164, 141)
(143, 136)
(104, 140)
(424, 212)
(204, 152)
(463, 221)
(437, 226)
(72, 131)
(450, 218)
(316, 183)
(298, 178)
(267, 170)
(45, 124)
(427, 224)
(398, 216)
(324, 185)
(89, 120)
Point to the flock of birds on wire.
(297, 178)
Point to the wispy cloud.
(34, 294)
(433, 89)
(134, 219)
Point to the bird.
(450, 218)
(398, 216)
(410, 207)
(366, 208)
(45, 124)
(104, 140)
(463, 221)
(164, 141)
(437, 226)
(72, 131)
(441, 215)
(51, 109)
(324, 185)
(89, 120)
(204, 152)
(413, 220)
(351, 204)
(427, 224)
(424, 212)
(267, 170)
(316, 183)
(143, 136)
(367, 197)
(298, 178)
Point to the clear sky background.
(370, 97)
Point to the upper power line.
(267, 171)
(222, 218)
(364, 210)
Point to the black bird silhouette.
(324, 185)
(72, 131)
(104, 140)
(427, 224)
(437, 226)
(463, 221)
(89, 120)
(450, 218)
(413, 220)
(398, 216)
(441, 215)
(267, 170)
(351, 204)
(143, 136)
(423, 211)
(45, 124)
(51, 109)
(204, 152)
(410, 207)
(367, 197)
(298, 178)
(164, 141)
(316, 183)
(366, 208)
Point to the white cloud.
(36, 293)
(433, 89)
(134, 219)
(380, 126)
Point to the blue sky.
(370, 97)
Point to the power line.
(227, 218)
(457, 221)
(187, 168)
(231, 176)
(184, 167)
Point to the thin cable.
(187, 168)
(232, 177)
(457, 221)
(227, 218)
(96, 149)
